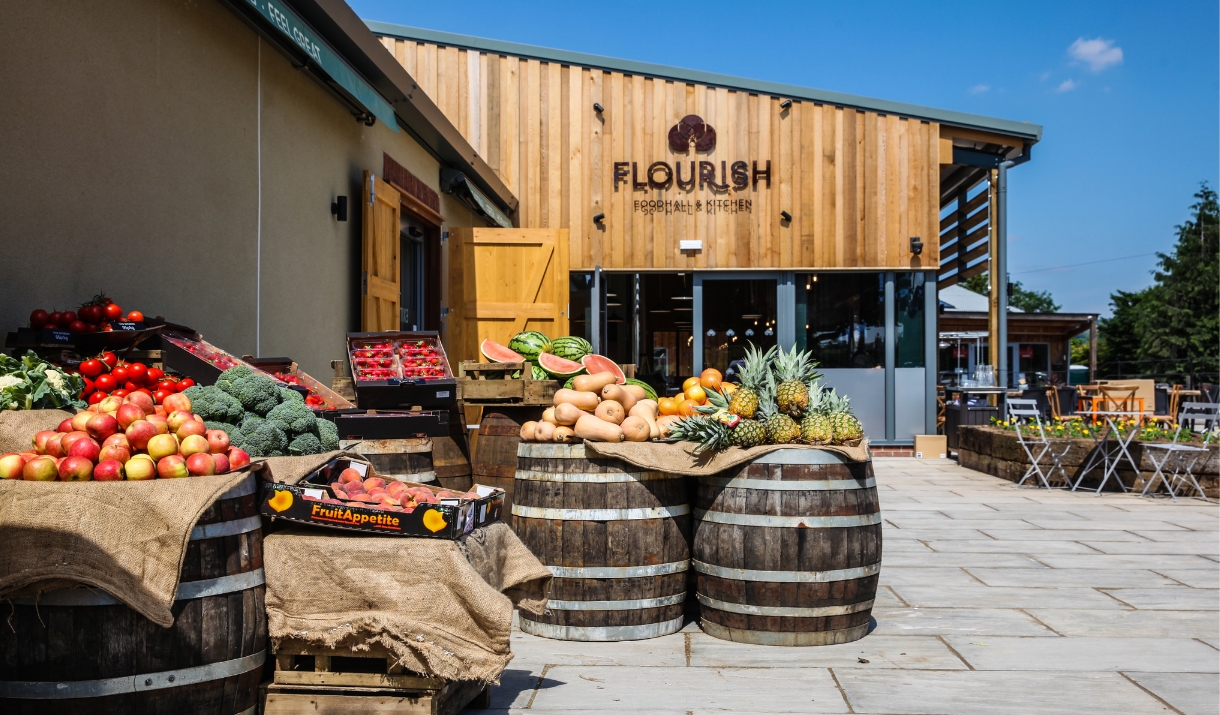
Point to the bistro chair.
(1052, 399)
(1026, 411)
(1117, 398)
(940, 409)
(1183, 471)
(1175, 399)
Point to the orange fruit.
(727, 388)
(690, 381)
(667, 405)
(687, 408)
(710, 378)
(696, 393)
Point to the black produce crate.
(400, 392)
(184, 363)
(373, 424)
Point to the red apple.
(200, 464)
(139, 432)
(109, 470)
(117, 439)
(222, 463)
(238, 458)
(193, 444)
(65, 426)
(161, 446)
(75, 469)
(140, 468)
(55, 445)
(175, 402)
(110, 405)
(129, 412)
(177, 419)
(172, 466)
(158, 421)
(143, 400)
(117, 453)
(160, 410)
(80, 419)
(191, 428)
(40, 469)
(218, 441)
(40, 440)
(85, 448)
(101, 426)
(11, 465)
(71, 438)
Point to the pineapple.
(707, 433)
(753, 378)
(794, 370)
(748, 433)
(781, 429)
(845, 426)
(816, 427)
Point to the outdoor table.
(1110, 457)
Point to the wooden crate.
(492, 382)
(313, 679)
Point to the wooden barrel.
(495, 451)
(79, 650)
(451, 463)
(616, 538)
(787, 549)
(404, 459)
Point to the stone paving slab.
(957, 621)
(1004, 597)
(1057, 578)
(882, 651)
(1007, 547)
(1195, 578)
(940, 560)
(1164, 548)
(1161, 599)
(1118, 561)
(1134, 624)
(1069, 534)
(1150, 655)
(890, 533)
(1190, 693)
(915, 576)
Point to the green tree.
(1118, 337)
(1030, 301)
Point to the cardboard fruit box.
(400, 369)
(312, 501)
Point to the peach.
(193, 444)
(129, 412)
(140, 432)
(177, 419)
(115, 452)
(101, 426)
(394, 487)
(55, 445)
(378, 493)
(40, 469)
(222, 463)
(238, 458)
(218, 441)
(141, 400)
(109, 470)
(176, 402)
(161, 446)
(364, 498)
(200, 464)
(159, 422)
(80, 419)
(172, 466)
(350, 475)
(110, 405)
(75, 469)
(40, 440)
(11, 465)
(191, 427)
(374, 482)
(139, 468)
(118, 439)
(65, 426)
(86, 448)
(445, 494)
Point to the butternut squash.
(619, 395)
(665, 423)
(636, 391)
(635, 429)
(592, 383)
(565, 435)
(566, 414)
(544, 432)
(583, 400)
(527, 431)
(647, 411)
(610, 411)
(548, 415)
(598, 430)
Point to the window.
(843, 315)
(580, 300)
(909, 318)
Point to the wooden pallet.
(312, 679)
(492, 382)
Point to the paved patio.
(993, 600)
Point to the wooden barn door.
(503, 281)
(381, 276)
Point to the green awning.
(455, 182)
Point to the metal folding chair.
(1026, 411)
(1183, 471)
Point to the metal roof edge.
(1023, 130)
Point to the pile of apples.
(376, 493)
(105, 376)
(126, 438)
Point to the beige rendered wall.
(160, 151)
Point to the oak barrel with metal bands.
(495, 451)
(787, 549)
(403, 459)
(615, 537)
(79, 650)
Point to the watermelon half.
(557, 366)
(496, 352)
(596, 363)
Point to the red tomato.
(105, 382)
(137, 372)
(91, 367)
(110, 359)
(121, 393)
(67, 318)
(113, 312)
(130, 386)
(160, 395)
(39, 318)
(188, 382)
(91, 313)
(90, 327)
(168, 385)
(135, 316)
(154, 376)
(77, 326)
(120, 374)
(89, 387)
(54, 318)
(96, 397)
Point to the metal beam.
(1000, 260)
(972, 157)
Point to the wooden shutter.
(381, 277)
(503, 281)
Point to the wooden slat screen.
(963, 256)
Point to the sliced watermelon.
(496, 352)
(557, 366)
(596, 363)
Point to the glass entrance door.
(731, 313)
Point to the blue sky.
(1128, 95)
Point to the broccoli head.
(250, 421)
(286, 395)
(328, 433)
(307, 443)
(228, 377)
(293, 417)
(212, 403)
(222, 426)
(265, 440)
(256, 393)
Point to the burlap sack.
(126, 538)
(443, 608)
(678, 457)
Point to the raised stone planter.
(996, 451)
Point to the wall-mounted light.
(785, 215)
(598, 218)
(338, 208)
(916, 245)
(785, 104)
(598, 108)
